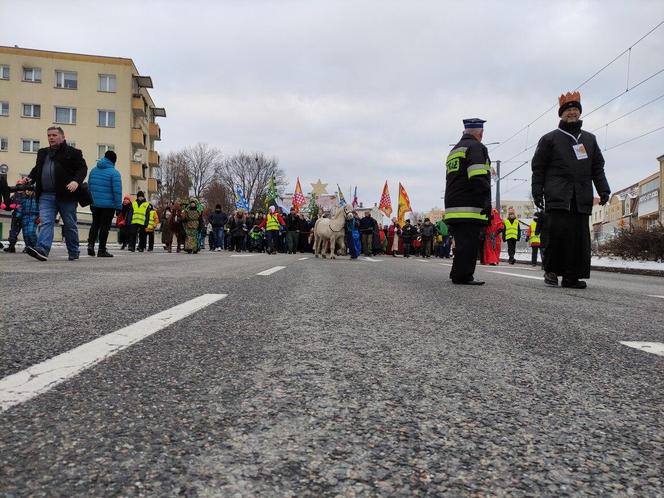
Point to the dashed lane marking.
(445, 264)
(649, 347)
(301, 259)
(270, 271)
(242, 255)
(37, 379)
(422, 260)
(366, 258)
(652, 295)
(514, 274)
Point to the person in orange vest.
(534, 238)
(152, 225)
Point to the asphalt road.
(355, 378)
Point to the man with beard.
(566, 164)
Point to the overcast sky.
(356, 92)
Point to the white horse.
(331, 230)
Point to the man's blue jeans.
(48, 208)
(218, 237)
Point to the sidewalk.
(611, 264)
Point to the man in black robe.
(566, 164)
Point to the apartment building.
(102, 103)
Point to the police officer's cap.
(473, 123)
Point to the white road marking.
(422, 260)
(366, 258)
(651, 295)
(649, 347)
(445, 264)
(241, 255)
(515, 275)
(40, 378)
(301, 259)
(271, 270)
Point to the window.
(4, 144)
(65, 115)
(107, 119)
(29, 145)
(102, 148)
(32, 74)
(66, 79)
(4, 108)
(31, 110)
(4, 72)
(106, 83)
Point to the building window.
(4, 108)
(4, 144)
(107, 83)
(107, 119)
(102, 148)
(29, 145)
(65, 115)
(66, 79)
(31, 111)
(32, 74)
(4, 72)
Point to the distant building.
(648, 208)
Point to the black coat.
(560, 177)
(408, 232)
(218, 220)
(69, 166)
(468, 182)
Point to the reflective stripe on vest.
(465, 213)
(272, 222)
(534, 237)
(138, 216)
(511, 229)
(477, 169)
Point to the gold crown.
(569, 97)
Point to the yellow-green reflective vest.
(138, 216)
(534, 237)
(272, 222)
(511, 229)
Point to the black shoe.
(468, 282)
(551, 279)
(11, 248)
(131, 250)
(104, 254)
(36, 253)
(73, 257)
(512, 261)
(91, 251)
(573, 284)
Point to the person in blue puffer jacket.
(105, 184)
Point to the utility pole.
(498, 186)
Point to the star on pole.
(319, 188)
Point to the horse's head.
(348, 212)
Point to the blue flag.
(240, 201)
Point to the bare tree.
(173, 178)
(252, 173)
(217, 193)
(202, 161)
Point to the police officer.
(467, 199)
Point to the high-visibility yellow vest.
(154, 219)
(534, 237)
(511, 229)
(138, 216)
(272, 222)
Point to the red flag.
(404, 205)
(298, 197)
(385, 204)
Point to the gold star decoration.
(319, 188)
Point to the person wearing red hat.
(566, 164)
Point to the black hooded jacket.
(562, 178)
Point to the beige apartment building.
(101, 103)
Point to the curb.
(612, 269)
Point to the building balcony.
(152, 186)
(136, 170)
(137, 139)
(138, 106)
(154, 131)
(153, 158)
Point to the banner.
(385, 204)
(298, 198)
(404, 205)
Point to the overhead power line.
(597, 73)
(635, 138)
(623, 93)
(630, 112)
